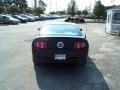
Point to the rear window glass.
(68, 30)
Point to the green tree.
(29, 10)
(21, 4)
(38, 10)
(99, 10)
(72, 8)
(7, 3)
(13, 9)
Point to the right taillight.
(79, 45)
(40, 44)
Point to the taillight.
(78, 45)
(41, 44)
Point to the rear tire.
(83, 63)
(34, 61)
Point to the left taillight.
(40, 44)
(79, 45)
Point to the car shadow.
(4, 24)
(70, 77)
(8, 24)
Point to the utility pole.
(32, 3)
(56, 5)
(50, 5)
(35, 3)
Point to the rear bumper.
(52, 60)
(48, 56)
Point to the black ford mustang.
(60, 43)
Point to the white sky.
(82, 4)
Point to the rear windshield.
(68, 30)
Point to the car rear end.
(60, 50)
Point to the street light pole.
(50, 5)
(56, 5)
(35, 3)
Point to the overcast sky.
(82, 4)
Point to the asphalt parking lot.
(17, 71)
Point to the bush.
(38, 10)
(29, 10)
(13, 9)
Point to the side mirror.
(81, 29)
(39, 29)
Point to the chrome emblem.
(60, 44)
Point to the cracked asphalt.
(17, 71)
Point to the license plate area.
(60, 57)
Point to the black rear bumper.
(52, 60)
(49, 56)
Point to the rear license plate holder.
(60, 57)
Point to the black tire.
(83, 63)
(34, 61)
(11, 23)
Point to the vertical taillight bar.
(40, 44)
(79, 45)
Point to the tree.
(29, 10)
(72, 8)
(84, 12)
(2, 9)
(99, 10)
(13, 9)
(1, 3)
(38, 10)
(21, 4)
(7, 3)
(42, 4)
(78, 12)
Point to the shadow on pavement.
(4, 24)
(70, 77)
